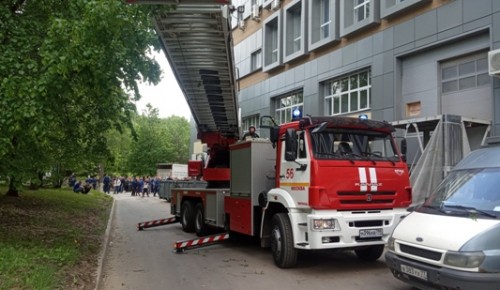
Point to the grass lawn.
(50, 238)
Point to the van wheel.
(284, 252)
(370, 253)
(201, 228)
(187, 217)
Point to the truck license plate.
(370, 233)
(414, 272)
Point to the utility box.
(252, 168)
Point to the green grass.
(50, 238)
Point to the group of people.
(136, 185)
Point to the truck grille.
(431, 255)
(365, 224)
(356, 197)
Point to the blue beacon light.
(363, 117)
(297, 114)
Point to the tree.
(158, 141)
(64, 69)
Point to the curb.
(102, 254)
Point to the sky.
(167, 97)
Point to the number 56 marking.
(289, 173)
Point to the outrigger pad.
(157, 223)
(181, 246)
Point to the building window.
(348, 94)
(325, 19)
(256, 59)
(286, 105)
(361, 9)
(294, 28)
(322, 20)
(390, 8)
(357, 15)
(464, 73)
(271, 45)
(250, 121)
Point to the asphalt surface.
(145, 260)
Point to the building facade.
(389, 59)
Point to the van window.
(467, 190)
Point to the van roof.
(487, 157)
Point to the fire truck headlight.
(323, 224)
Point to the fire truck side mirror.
(290, 145)
(274, 133)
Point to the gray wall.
(413, 47)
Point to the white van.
(452, 241)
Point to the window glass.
(354, 101)
(449, 72)
(467, 68)
(464, 73)
(450, 86)
(483, 79)
(349, 94)
(345, 103)
(467, 83)
(285, 106)
(482, 65)
(342, 143)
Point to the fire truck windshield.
(351, 144)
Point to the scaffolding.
(436, 145)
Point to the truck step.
(156, 223)
(181, 246)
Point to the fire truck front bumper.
(344, 229)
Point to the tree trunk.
(12, 188)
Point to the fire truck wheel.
(200, 226)
(187, 217)
(371, 253)
(284, 253)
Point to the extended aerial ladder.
(195, 36)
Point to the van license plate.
(371, 233)
(414, 272)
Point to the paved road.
(144, 260)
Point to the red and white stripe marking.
(364, 183)
(183, 245)
(155, 223)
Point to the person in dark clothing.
(106, 181)
(251, 133)
(78, 188)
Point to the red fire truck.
(318, 183)
(315, 183)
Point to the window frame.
(457, 63)
(294, 44)
(335, 94)
(271, 46)
(316, 23)
(287, 104)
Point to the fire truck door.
(295, 175)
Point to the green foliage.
(64, 69)
(158, 141)
(44, 239)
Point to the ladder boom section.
(196, 38)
